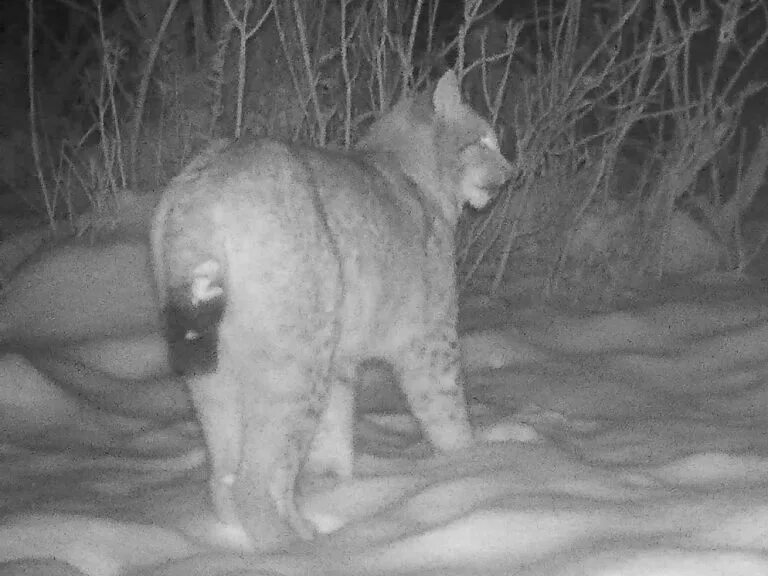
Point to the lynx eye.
(490, 142)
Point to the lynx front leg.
(430, 377)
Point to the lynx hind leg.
(282, 408)
(431, 380)
(192, 314)
(216, 397)
(332, 449)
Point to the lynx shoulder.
(280, 268)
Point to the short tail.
(190, 289)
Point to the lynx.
(280, 267)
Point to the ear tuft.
(447, 96)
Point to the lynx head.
(444, 146)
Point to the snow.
(626, 442)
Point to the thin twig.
(49, 207)
(141, 93)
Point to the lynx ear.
(447, 96)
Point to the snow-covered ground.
(627, 443)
